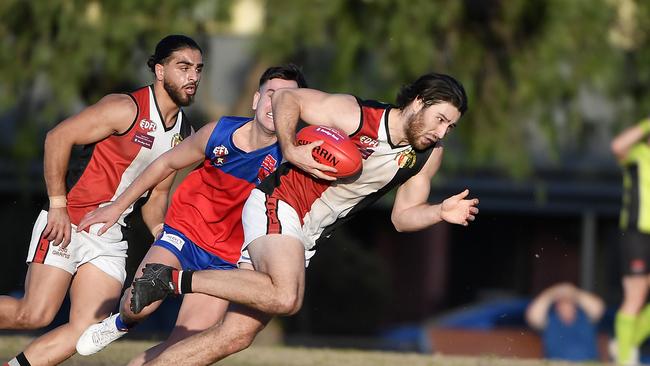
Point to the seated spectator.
(566, 316)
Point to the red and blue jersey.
(206, 207)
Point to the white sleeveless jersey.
(106, 168)
(323, 205)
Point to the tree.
(57, 56)
(525, 63)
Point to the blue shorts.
(191, 256)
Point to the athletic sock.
(182, 281)
(121, 325)
(19, 360)
(642, 330)
(624, 326)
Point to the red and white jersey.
(106, 168)
(322, 205)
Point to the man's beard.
(415, 130)
(177, 95)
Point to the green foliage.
(523, 62)
(58, 54)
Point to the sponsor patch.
(143, 139)
(61, 252)
(367, 146)
(368, 141)
(174, 240)
(148, 125)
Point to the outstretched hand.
(301, 157)
(458, 209)
(108, 215)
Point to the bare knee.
(241, 341)
(286, 304)
(32, 318)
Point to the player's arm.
(624, 141)
(113, 113)
(412, 212)
(153, 212)
(188, 152)
(316, 108)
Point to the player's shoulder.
(222, 127)
(371, 103)
(233, 120)
(228, 124)
(208, 128)
(117, 110)
(119, 101)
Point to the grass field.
(120, 352)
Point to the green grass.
(121, 352)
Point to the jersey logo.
(406, 159)
(219, 155)
(268, 166)
(176, 139)
(143, 139)
(368, 141)
(368, 144)
(147, 125)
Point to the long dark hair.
(432, 89)
(167, 46)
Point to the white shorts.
(107, 252)
(264, 215)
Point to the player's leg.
(235, 333)
(276, 250)
(275, 287)
(274, 246)
(93, 295)
(634, 292)
(156, 254)
(97, 336)
(642, 331)
(282, 257)
(635, 288)
(47, 281)
(643, 322)
(198, 312)
(45, 289)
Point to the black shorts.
(635, 253)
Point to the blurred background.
(550, 82)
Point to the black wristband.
(186, 282)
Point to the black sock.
(186, 282)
